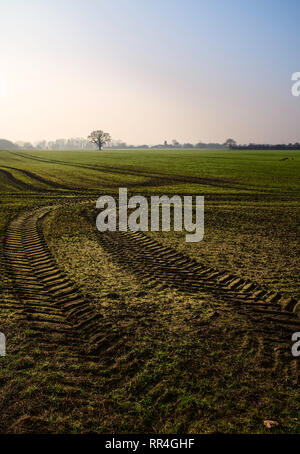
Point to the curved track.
(37, 178)
(49, 300)
(272, 319)
(19, 184)
(155, 178)
(53, 304)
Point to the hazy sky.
(150, 70)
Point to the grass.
(168, 361)
(253, 171)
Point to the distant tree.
(28, 146)
(175, 143)
(118, 144)
(25, 145)
(200, 145)
(41, 145)
(99, 138)
(7, 145)
(230, 143)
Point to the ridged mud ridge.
(272, 319)
(149, 258)
(34, 177)
(49, 300)
(52, 304)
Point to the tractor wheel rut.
(48, 299)
(272, 319)
(55, 306)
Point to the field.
(142, 332)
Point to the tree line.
(100, 139)
(80, 143)
(266, 146)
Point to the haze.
(148, 71)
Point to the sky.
(150, 70)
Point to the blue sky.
(147, 71)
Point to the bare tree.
(99, 138)
(230, 143)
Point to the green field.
(131, 332)
(210, 171)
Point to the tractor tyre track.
(155, 178)
(38, 178)
(49, 300)
(19, 184)
(52, 304)
(272, 319)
